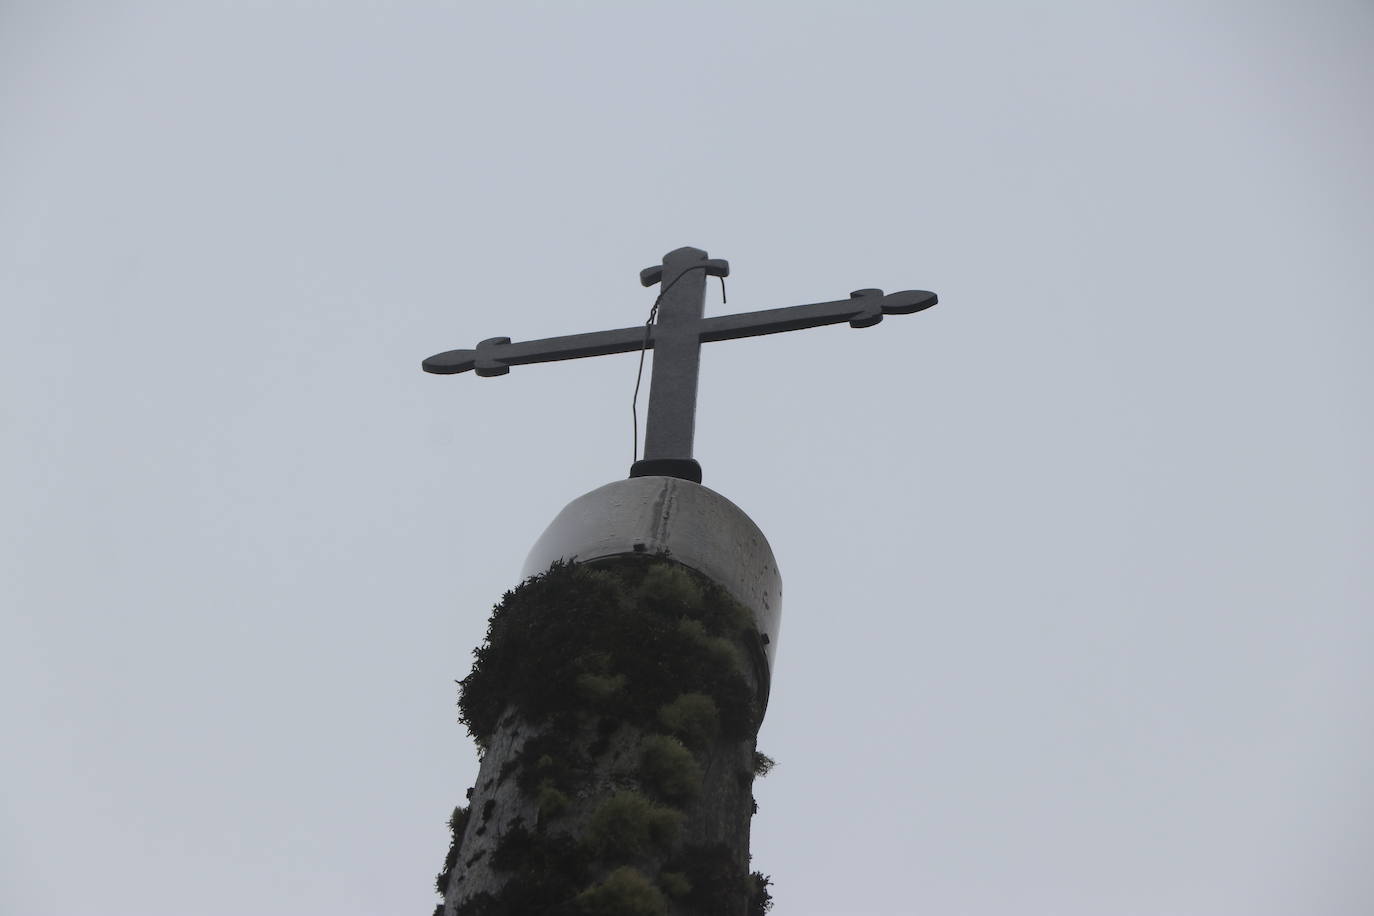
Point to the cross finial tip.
(683, 259)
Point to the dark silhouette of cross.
(676, 336)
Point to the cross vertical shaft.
(677, 356)
(671, 422)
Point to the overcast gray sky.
(1078, 593)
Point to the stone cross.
(676, 337)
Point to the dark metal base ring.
(681, 468)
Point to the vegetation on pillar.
(625, 637)
(582, 657)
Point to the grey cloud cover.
(1077, 563)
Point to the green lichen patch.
(627, 824)
(599, 688)
(628, 634)
(669, 768)
(760, 901)
(457, 823)
(551, 802)
(725, 650)
(693, 717)
(667, 585)
(674, 883)
(625, 892)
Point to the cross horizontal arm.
(496, 355)
(865, 307)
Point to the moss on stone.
(669, 768)
(674, 883)
(693, 629)
(693, 717)
(551, 802)
(628, 824)
(760, 900)
(625, 892)
(612, 633)
(457, 824)
(576, 655)
(763, 764)
(726, 650)
(600, 687)
(671, 585)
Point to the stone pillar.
(616, 702)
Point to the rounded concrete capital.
(691, 524)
